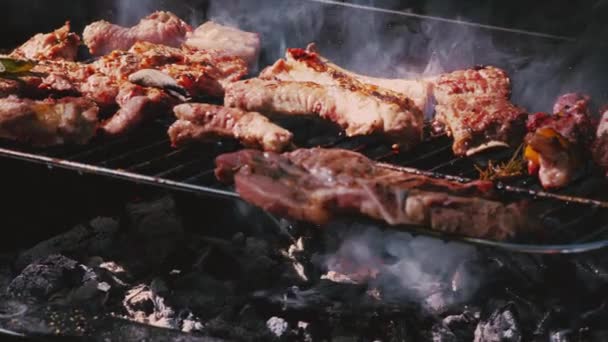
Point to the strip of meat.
(200, 122)
(599, 149)
(309, 66)
(201, 73)
(557, 143)
(355, 110)
(315, 185)
(165, 28)
(48, 122)
(475, 108)
(60, 44)
(232, 41)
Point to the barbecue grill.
(575, 219)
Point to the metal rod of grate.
(147, 157)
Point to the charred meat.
(359, 111)
(557, 143)
(48, 122)
(165, 28)
(200, 122)
(317, 184)
(600, 145)
(228, 40)
(309, 66)
(474, 106)
(60, 44)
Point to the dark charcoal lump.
(501, 326)
(43, 278)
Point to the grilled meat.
(358, 111)
(165, 28)
(58, 45)
(317, 184)
(475, 108)
(556, 144)
(201, 73)
(199, 122)
(48, 122)
(599, 149)
(229, 40)
(308, 66)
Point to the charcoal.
(501, 326)
(42, 279)
(95, 238)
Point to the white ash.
(277, 325)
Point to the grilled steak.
(200, 122)
(48, 122)
(599, 149)
(557, 143)
(359, 111)
(165, 28)
(229, 40)
(58, 45)
(308, 66)
(317, 184)
(475, 108)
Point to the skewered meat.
(308, 66)
(199, 122)
(317, 184)
(229, 40)
(475, 108)
(556, 143)
(165, 28)
(600, 145)
(58, 45)
(359, 111)
(48, 122)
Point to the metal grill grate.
(575, 219)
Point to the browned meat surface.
(136, 105)
(48, 122)
(317, 184)
(474, 107)
(230, 40)
(557, 143)
(165, 28)
(58, 45)
(358, 111)
(308, 66)
(201, 73)
(600, 145)
(200, 122)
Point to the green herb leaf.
(15, 66)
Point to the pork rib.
(475, 108)
(48, 122)
(315, 185)
(358, 111)
(600, 145)
(307, 65)
(199, 122)
(165, 28)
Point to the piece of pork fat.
(357, 110)
(599, 149)
(198, 122)
(316, 185)
(48, 122)
(60, 44)
(474, 107)
(556, 144)
(307, 65)
(102, 37)
(230, 40)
